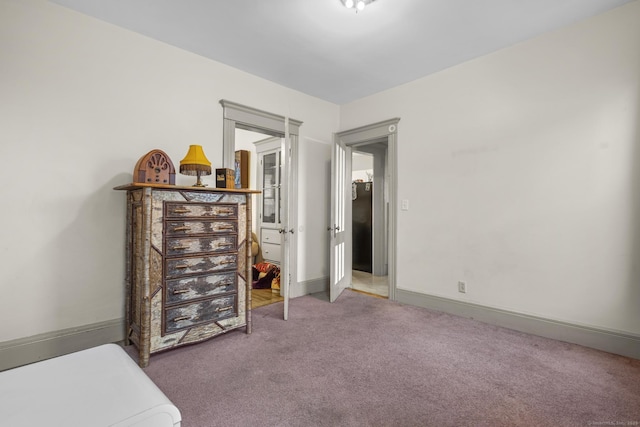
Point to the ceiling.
(325, 50)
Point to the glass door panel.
(278, 199)
(270, 196)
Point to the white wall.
(313, 217)
(82, 101)
(361, 166)
(244, 140)
(522, 167)
(523, 173)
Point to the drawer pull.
(178, 319)
(226, 211)
(227, 308)
(183, 228)
(181, 266)
(227, 262)
(226, 227)
(181, 210)
(179, 248)
(225, 245)
(180, 291)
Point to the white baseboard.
(310, 287)
(32, 349)
(57, 343)
(45, 346)
(612, 341)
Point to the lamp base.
(199, 182)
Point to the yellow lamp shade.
(195, 163)
(195, 160)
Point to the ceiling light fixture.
(358, 5)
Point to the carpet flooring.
(365, 361)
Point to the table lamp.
(195, 163)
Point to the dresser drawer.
(271, 236)
(203, 264)
(188, 288)
(193, 245)
(271, 252)
(185, 316)
(185, 228)
(200, 210)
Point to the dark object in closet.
(265, 276)
(362, 216)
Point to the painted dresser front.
(188, 265)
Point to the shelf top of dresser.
(139, 185)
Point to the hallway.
(367, 282)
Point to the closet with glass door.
(270, 176)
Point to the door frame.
(372, 133)
(248, 118)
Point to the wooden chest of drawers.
(188, 273)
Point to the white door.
(285, 215)
(340, 247)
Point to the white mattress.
(101, 386)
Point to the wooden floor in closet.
(260, 297)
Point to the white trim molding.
(312, 286)
(32, 349)
(248, 118)
(384, 131)
(612, 341)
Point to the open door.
(340, 247)
(285, 216)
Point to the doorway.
(369, 214)
(266, 262)
(380, 136)
(237, 116)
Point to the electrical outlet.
(462, 287)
